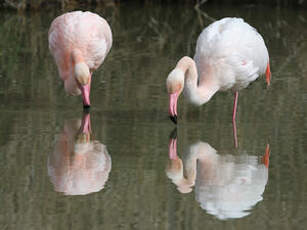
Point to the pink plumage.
(79, 164)
(79, 42)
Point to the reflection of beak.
(173, 107)
(172, 147)
(173, 134)
(174, 169)
(84, 134)
(86, 108)
(173, 119)
(83, 138)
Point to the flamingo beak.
(85, 90)
(172, 110)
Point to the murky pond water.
(131, 174)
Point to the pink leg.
(234, 125)
(235, 102)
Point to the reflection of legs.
(266, 157)
(234, 126)
(234, 129)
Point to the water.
(129, 118)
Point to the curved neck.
(199, 91)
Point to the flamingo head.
(83, 78)
(174, 85)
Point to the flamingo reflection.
(226, 186)
(79, 164)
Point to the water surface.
(129, 117)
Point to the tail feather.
(268, 74)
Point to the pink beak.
(172, 110)
(86, 90)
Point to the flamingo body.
(230, 54)
(79, 42)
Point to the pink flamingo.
(79, 42)
(79, 164)
(230, 54)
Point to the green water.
(129, 116)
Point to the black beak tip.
(174, 119)
(86, 108)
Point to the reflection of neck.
(199, 90)
(202, 153)
(176, 165)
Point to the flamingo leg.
(235, 103)
(234, 125)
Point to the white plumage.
(230, 54)
(234, 51)
(226, 186)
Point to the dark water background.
(129, 116)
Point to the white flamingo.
(226, 186)
(229, 54)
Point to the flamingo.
(79, 42)
(79, 164)
(230, 54)
(226, 186)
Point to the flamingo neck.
(199, 91)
